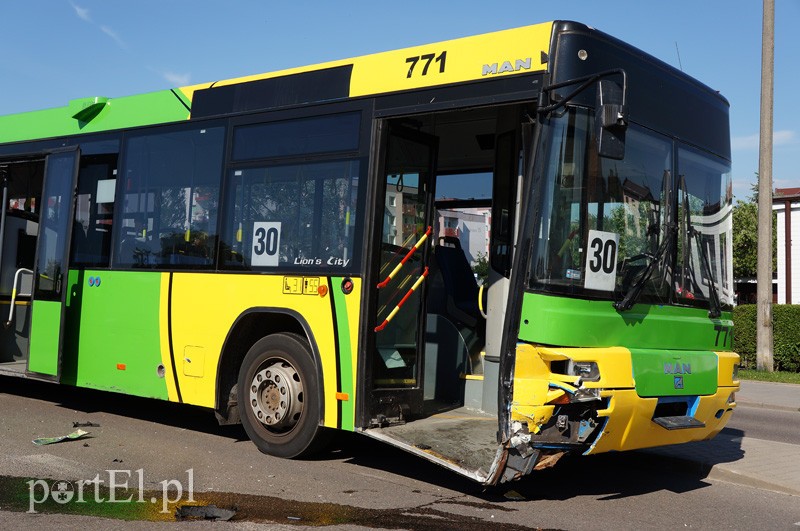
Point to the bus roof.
(503, 53)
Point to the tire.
(278, 396)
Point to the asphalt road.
(358, 483)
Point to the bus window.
(292, 216)
(25, 186)
(170, 190)
(94, 211)
(704, 218)
(320, 134)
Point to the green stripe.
(568, 322)
(345, 353)
(119, 113)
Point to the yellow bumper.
(630, 425)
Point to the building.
(402, 220)
(786, 204)
(471, 226)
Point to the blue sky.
(52, 51)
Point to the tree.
(481, 267)
(745, 237)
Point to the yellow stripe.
(392, 313)
(417, 283)
(396, 269)
(464, 61)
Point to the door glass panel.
(94, 211)
(55, 218)
(405, 213)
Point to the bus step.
(679, 423)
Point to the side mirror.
(610, 120)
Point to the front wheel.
(278, 398)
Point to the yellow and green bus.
(297, 250)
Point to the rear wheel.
(278, 396)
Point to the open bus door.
(50, 267)
(397, 375)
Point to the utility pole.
(764, 273)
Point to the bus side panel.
(130, 111)
(206, 306)
(45, 326)
(113, 332)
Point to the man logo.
(506, 66)
(677, 368)
(679, 382)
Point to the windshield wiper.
(636, 288)
(713, 297)
(715, 309)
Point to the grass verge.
(777, 376)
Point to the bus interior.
(20, 232)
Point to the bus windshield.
(656, 223)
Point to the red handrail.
(416, 246)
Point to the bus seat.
(460, 285)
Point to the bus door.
(408, 169)
(50, 266)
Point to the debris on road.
(87, 424)
(77, 434)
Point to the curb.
(720, 473)
(729, 476)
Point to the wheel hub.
(276, 395)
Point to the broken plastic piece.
(77, 434)
(203, 512)
(85, 425)
(514, 495)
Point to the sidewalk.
(759, 463)
(769, 395)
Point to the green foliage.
(481, 267)
(785, 330)
(763, 376)
(745, 237)
(786, 319)
(744, 333)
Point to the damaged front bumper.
(587, 401)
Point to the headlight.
(735, 372)
(587, 370)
